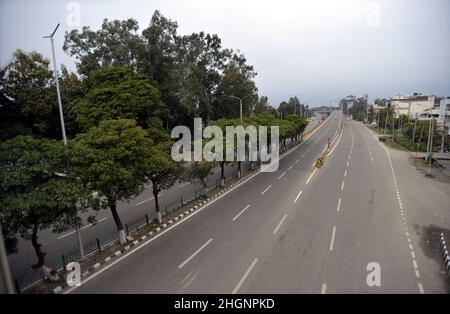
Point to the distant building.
(414, 105)
(377, 108)
(444, 114)
(440, 112)
(444, 111)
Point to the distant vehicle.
(348, 118)
(374, 123)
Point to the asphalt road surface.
(296, 230)
(57, 244)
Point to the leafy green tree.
(116, 43)
(191, 71)
(359, 109)
(201, 171)
(27, 105)
(235, 82)
(119, 93)
(385, 113)
(73, 90)
(161, 62)
(37, 191)
(299, 125)
(371, 115)
(28, 101)
(222, 124)
(162, 172)
(263, 106)
(112, 159)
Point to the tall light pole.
(240, 103)
(443, 134)
(63, 129)
(385, 122)
(378, 120)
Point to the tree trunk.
(157, 208)
(122, 234)
(222, 174)
(37, 247)
(205, 187)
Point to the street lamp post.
(242, 123)
(240, 103)
(63, 128)
(443, 134)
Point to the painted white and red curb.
(445, 253)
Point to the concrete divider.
(329, 146)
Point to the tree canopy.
(119, 92)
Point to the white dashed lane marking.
(267, 189)
(279, 224)
(333, 234)
(299, 194)
(241, 212)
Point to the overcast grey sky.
(319, 50)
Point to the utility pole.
(385, 122)
(414, 131)
(430, 139)
(378, 121)
(443, 134)
(393, 126)
(63, 129)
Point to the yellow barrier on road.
(319, 163)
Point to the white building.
(444, 114)
(440, 112)
(444, 111)
(413, 106)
